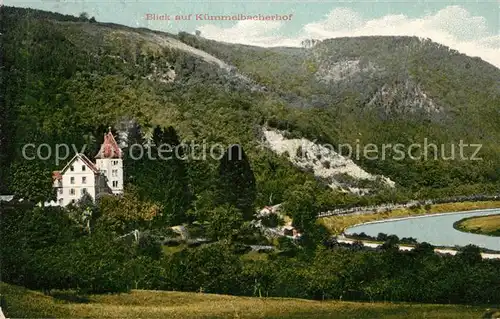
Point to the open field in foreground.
(19, 302)
(487, 225)
(336, 224)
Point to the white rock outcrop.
(322, 160)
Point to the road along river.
(435, 229)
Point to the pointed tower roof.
(109, 148)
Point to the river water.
(435, 229)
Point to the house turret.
(109, 162)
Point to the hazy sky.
(471, 27)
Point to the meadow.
(19, 302)
(487, 225)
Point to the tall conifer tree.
(237, 181)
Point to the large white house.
(82, 176)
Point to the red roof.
(87, 162)
(84, 159)
(56, 175)
(109, 148)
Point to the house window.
(72, 191)
(72, 180)
(84, 190)
(72, 168)
(60, 191)
(84, 180)
(114, 173)
(60, 201)
(83, 168)
(114, 162)
(115, 183)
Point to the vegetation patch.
(484, 225)
(22, 303)
(384, 239)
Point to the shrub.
(150, 247)
(300, 152)
(272, 220)
(382, 237)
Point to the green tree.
(211, 268)
(84, 16)
(85, 212)
(99, 263)
(224, 222)
(323, 281)
(423, 249)
(301, 206)
(147, 272)
(7, 137)
(149, 246)
(128, 212)
(32, 181)
(158, 134)
(159, 174)
(469, 254)
(391, 243)
(236, 184)
(179, 198)
(287, 246)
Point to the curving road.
(344, 240)
(435, 229)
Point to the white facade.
(82, 176)
(77, 179)
(79, 176)
(112, 169)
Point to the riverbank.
(486, 225)
(436, 229)
(437, 250)
(408, 244)
(337, 224)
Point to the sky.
(471, 27)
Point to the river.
(435, 229)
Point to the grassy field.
(336, 224)
(22, 303)
(487, 225)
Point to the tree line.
(43, 248)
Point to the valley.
(248, 227)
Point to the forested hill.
(65, 79)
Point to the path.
(392, 206)
(436, 229)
